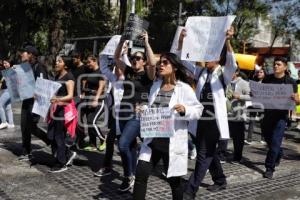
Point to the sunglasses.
(164, 62)
(136, 58)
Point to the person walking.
(170, 91)
(6, 113)
(213, 125)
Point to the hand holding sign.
(205, 37)
(230, 33)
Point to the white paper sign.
(205, 38)
(272, 96)
(44, 91)
(175, 40)
(157, 122)
(111, 46)
(20, 81)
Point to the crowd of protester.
(211, 104)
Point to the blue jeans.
(6, 113)
(273, 132)
(127, 144)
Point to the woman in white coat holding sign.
(169, 91)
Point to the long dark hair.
(180, 73)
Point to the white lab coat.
(219, 99)
(178, 148)
(116, 85)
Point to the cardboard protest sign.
(272, 96)
(134, 27)
(133, 31)
(205, 38)
(44, 91)
(246, 62)
(111, 46)
(20, 81)
(175, 40)
(157, 122)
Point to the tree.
(284, 19)
(23, 21)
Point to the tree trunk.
(56, 39)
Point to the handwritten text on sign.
(44, 91)
(205, 38)
(272, 96)
(157, 122)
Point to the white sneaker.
(262, 142)
(248, 142)
(193, 154)
(10, 126)
(3, 125)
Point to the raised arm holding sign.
(205, 38)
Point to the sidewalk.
(22, 180)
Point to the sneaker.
(268, 174)
(192, 154)
(90, 148)
(10, 126)
(216, 187)
(262, 142)
(25, 157)
(127, 184)
(72, 157)
(102, 146)
(58, 168)
(103, 172)
(248, 142)
(3, 125)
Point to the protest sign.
(133, 31)
(246, 62)
(205, 38)
(111, 46)
(44, 91)
(175, 40)
(272, 96)
(20, 81)
(157, 122)
(134, 27)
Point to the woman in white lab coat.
(169, 91)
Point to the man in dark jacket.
(274, 121)
(29, 120)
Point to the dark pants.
(57, 133)
(29, 122)
(273, 131)
(92, 115)
(207, 139)
(110, 142)
(143, 172)
(222, 149)
(251, 125)
(237, 133)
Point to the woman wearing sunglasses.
(173, 92)
(137, 81)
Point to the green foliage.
(163, 24)
(33, 21)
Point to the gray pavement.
(31, 180)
